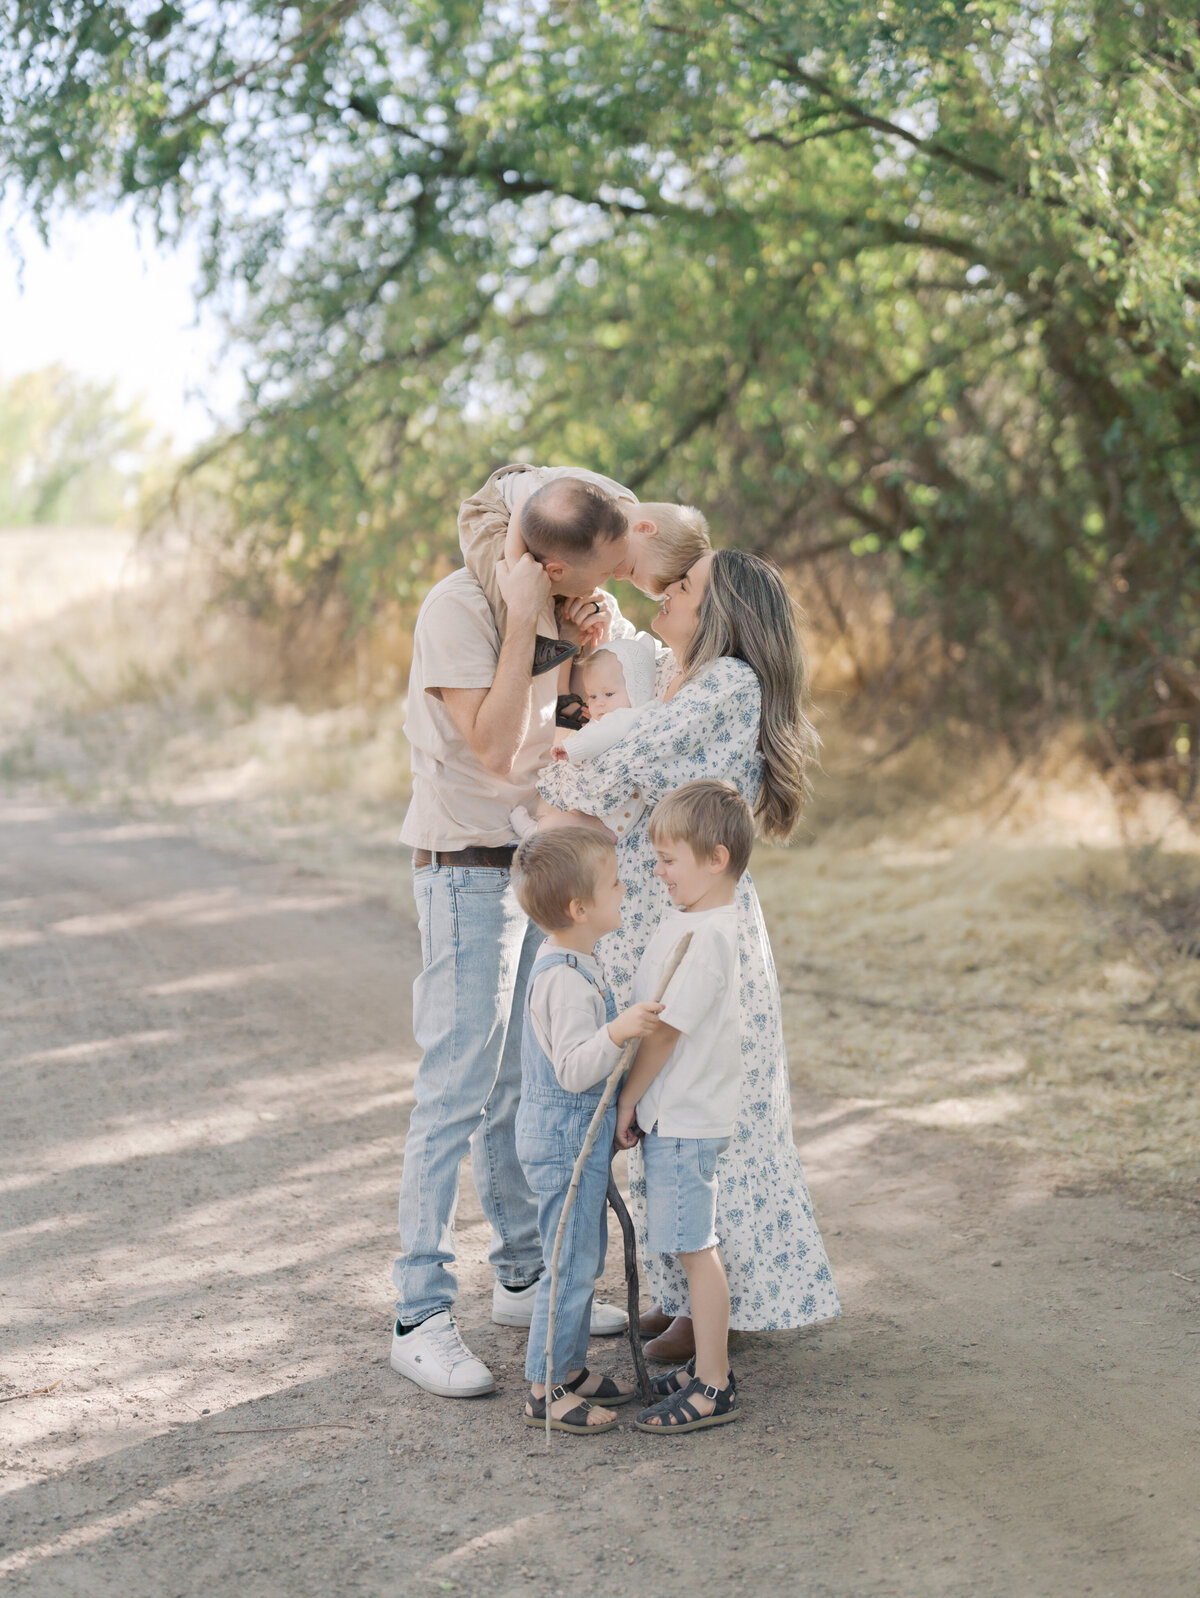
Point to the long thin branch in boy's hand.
(589, 1143)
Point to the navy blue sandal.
(549, 653)
(675, 1381)
(575, 1420)
(678, 1414)
(607, 1393)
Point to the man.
(480, 726)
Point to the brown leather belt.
(500, 858)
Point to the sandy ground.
(206, 1069)
(206, 947)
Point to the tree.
(914, 282)
(68, 450)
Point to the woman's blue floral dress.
(778, 1271)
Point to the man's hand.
(636, 1022)
(628, 1132)
(585, 621)
(524, 587)
(495, 720)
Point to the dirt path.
(206, 1067)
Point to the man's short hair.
(704, 814)
(567, 518)
(552, 868)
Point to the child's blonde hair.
(552, 868)
(704, 815)
(682, 539)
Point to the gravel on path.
(205, 1067)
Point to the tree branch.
(325, 22)
(868, 119)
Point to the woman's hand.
(636, 1022)
(628, 1132)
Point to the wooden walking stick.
(625, 1222)
(589, 1143)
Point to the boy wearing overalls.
(566, 882)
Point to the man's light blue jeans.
(477, 948)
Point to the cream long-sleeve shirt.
(567, 1013)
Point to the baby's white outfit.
(638, 658)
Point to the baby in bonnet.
(618, 691)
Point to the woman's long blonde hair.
(748, 613)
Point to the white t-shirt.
(696, 1093)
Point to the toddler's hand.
(558, 752)
(636, 1022)
(628, 1132)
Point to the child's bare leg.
(514, 545)
(708, 1289)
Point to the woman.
(733, 691)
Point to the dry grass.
(123, 685)
(1006, 953)
(1009, 954)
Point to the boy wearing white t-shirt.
(681, 1097)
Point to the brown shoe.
(654, 1322)
(675, 1345)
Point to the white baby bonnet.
(638, 657)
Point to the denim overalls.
(551, 1127)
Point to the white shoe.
(516, 1309)
(435, 1357)
(607, 1320)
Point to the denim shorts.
(681, 1192)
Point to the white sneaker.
(435, 1357)
(516, 1309)
(607, 1320)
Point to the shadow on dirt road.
(206, 1070)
